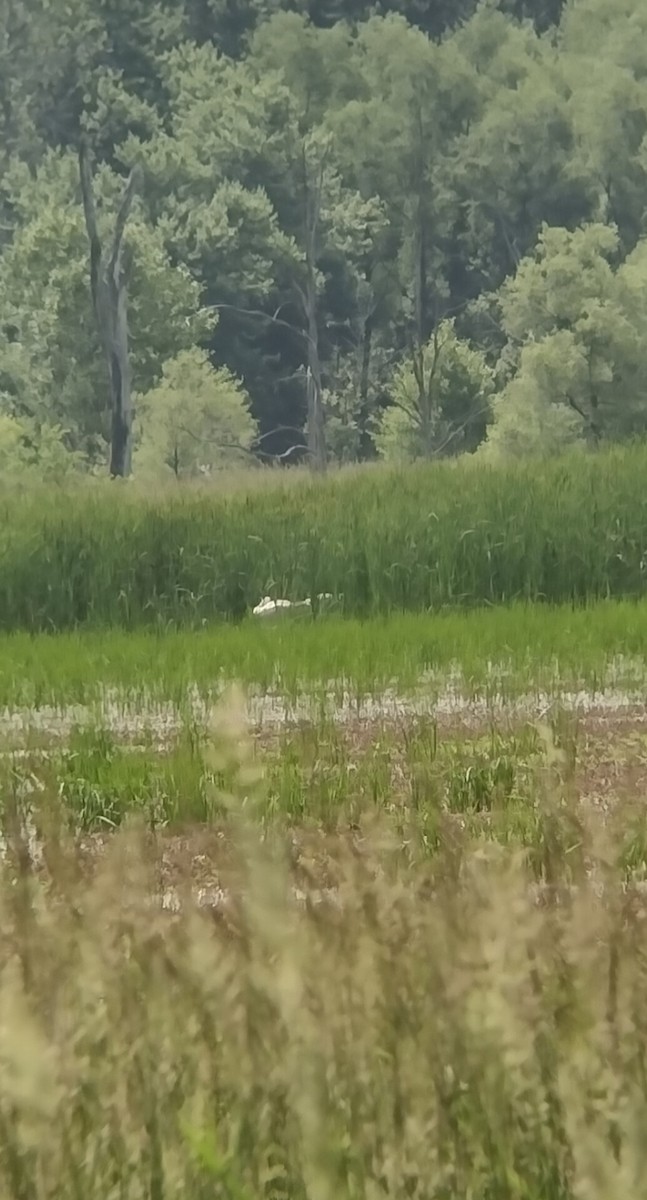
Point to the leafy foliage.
(195, 420)
(52, 370)
(440, 400)
(339, 184)
(581, 322)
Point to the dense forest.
(330, 230)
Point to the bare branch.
(258, 312)
(410, 410)
(277, 429)
(576, 408)
(273, 320)
(454, 433)
(90, 213)
(303, 301)
(511, 247)
(286, 453)
(128, 196)
(418, 367)
(438, 348)
(239, 445)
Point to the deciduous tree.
(195, 420)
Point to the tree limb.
(454, 433)
(277, 429)
(90, 213)
(258, 312)
(576, 408)
(128, 196)
(239, 445)
(109, 300)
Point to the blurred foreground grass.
(466, 1022)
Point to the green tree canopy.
(576, 317)
(440, 401)
(195, 420)
(50, 365)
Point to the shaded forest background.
(419, 226)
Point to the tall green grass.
(414, 539)
(507, 649)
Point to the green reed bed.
(385, 540)
(510, 650)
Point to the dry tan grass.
(442, 1037)
(434, 1033)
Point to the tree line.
(262, 231)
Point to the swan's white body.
(272, 608)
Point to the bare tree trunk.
(422, 322)
(314, 388)
(108, 281)
(427, 412)
(366, 446)
(420, 282)
(316, 425)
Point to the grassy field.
(480, 779)
(507, 650)
(372, 924)
(385, 541)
